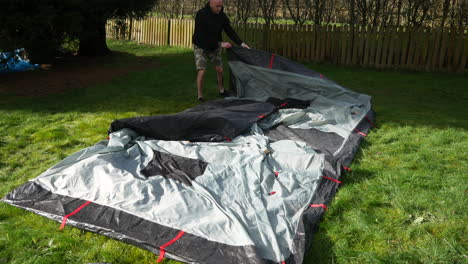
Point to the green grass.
(404, 202)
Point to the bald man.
(207, 42)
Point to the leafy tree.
(42, 26)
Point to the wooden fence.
(396, 48)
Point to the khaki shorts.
(202, 57)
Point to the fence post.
(130, 27)
(391, 49)
(336, 44)
(464, 57)
(343, 44)
(458, 48)
(435, 51)
(450, 49)
(366, 46)
(318, 42)
(443, 48)
(169, 32)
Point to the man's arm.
(232, 34)
(198, 20)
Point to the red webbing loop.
(276, 173)
(360, 133)
(337, 181)
(272, 193)
(348, 169)
(161, 248)
(283, 105)
(64, 221)
(228, 139)
(319, 205)
(272, 59)
(261, 116)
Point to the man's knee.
(201, 72)
(219, 69)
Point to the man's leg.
(200, 75)
(218, 65)
(200, 63)
(219, 76)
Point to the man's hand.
(245, 46)
(226, 45)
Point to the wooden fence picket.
(464, 57)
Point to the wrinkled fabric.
(231, 200)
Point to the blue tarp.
(12, 62)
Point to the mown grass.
(404, 202)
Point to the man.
(207, 42)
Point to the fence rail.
(397, 48)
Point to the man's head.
(216, 6)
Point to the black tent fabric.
(213, 121)
(216, 121)
(269, 60)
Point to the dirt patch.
(72, 73)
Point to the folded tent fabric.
(210, 122)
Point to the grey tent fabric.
(233, 192)
(253, 197)
(333, 108)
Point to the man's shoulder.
(225, 17)
(202, 11)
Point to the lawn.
(404, 201)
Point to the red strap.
(272, 59)
(348, 169)
(283, 262)
(272, 193)
(261, 116)
(360, 133)
(228, 139)
(319, 205)
(283, 105)
(337, 181)
(161, 248)
(276, 173)
(370, 121)
(64, 221)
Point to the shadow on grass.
(152, 81)
(405, 98)
(358, 175)
(322, 249)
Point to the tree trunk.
(351, 13)
(93, 37)
(445, 13)
(399, 13)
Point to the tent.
(244, 179)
